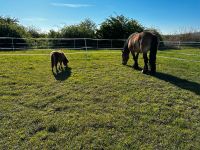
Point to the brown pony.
(141, 43)
(58, 57)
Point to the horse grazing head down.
(65, 60)
(125, 53)
(125, 57)
(141, 43)
(58, 58)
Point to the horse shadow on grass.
(182, 83)
(63, 74)
(139, 68)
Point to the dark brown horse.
(141, 43)
(58, 57)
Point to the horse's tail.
(153, 52)
(52, 60)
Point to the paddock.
(97, 102)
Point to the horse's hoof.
(136, 67)
(144, 71)
(152, 72)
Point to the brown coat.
(58, 57)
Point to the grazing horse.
(141, 43)
(58, 57)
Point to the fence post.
(74, 43)
(97, 44)
(179, 44)
(13, 44)
(48, 43)
(111, 43)
(86, 47)
(35, 44)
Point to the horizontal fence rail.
(9, 43)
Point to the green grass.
(99, 103)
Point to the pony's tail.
(52, 61)
(153, 52)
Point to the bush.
(86, 29)
(118, 27)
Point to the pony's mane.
(60, 51)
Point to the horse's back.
(59, 56)
(146, 41)
(134, 42)
(141, 42)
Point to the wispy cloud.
(36, 19)
(70, 5)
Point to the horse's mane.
(132, 35)
(127, 40)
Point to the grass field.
(97, 103)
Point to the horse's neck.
(132, 35)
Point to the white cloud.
(70, 5)
(36, 19)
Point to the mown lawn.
(97, 103)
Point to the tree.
(34, 32)
(118, 27)
(8, 20)
(156, 32)
(86, 29)
(53, 34)
(9, 27)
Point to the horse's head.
(125, 57)
(65, 61)
(125, 53)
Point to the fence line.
(10, 43)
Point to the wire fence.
(9, 43)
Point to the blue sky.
(169, 16)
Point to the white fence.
(8, 43)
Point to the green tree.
(85, 29)
(118, 27)
(156, 32)
(8, 20)
(53, 34)
(34, 32)
(9, 27)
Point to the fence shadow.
(63, 74)
(182, 83)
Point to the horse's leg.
(52, 62)
(152, 61)
(52, 67)
(145, 69)
(61, 65)
(56, 66)
(135, 58)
